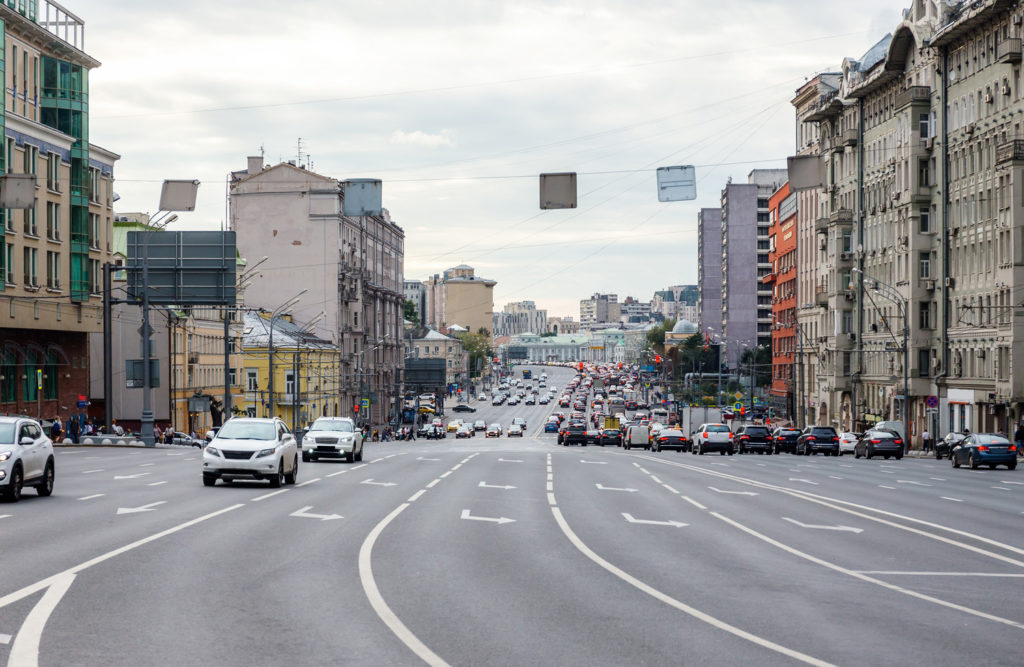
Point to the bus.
(527, 374)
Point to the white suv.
(254, 448)
(333, 437)
(26, 458)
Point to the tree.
(409, 311)
(548, 334)
(479, 347)
(760, 358)
(656, 336)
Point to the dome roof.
(684, 327)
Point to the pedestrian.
(56, 429)
(169, 435)
(117, 427)
(926, 440)
(1018, 437)
(73, 431)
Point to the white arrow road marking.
(25, 650)
(140, 508)
(510, 460)
(309, 515)
(612, 488)
(499, 520)
(677, 524)
(735, 493)
(600, 463)
(424, 458)
(801, 479)
(373, 483)
(135, 476)
(849, 529)
(485, 485)
(910, 481)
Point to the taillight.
(898, 441)
(744, 437)
(1012, 448)
(836, 439)
(875, 442)
(662, 439)
(982, 448)
(704, 434)
(810, 438)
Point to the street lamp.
(270, 360)
(297, 381)
(893, 295)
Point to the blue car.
(990, 449)
(551, 427)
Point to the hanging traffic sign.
(737, 406)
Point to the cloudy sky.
(458, 105)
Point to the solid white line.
(25, 650)
(414, 497)
(871, 580)
(883, 486)
(672, 602)
(938, 479)
(670, 489)
(340, 472)
(377, 600)
(156, 483)
(943, 574)
(955, 500)
(378, 459)
(308, 481)
(269, 495)
(551, 499)
(434, 483)
(95, 495)
(176, 454)
(694, 502)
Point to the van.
(637, 436)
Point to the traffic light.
(355, 409)
(657, 358)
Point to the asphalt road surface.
(515, 552)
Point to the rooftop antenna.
(298, 160)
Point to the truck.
(691, 418)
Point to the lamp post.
(270, 346)
(891, 294)
(297, 378)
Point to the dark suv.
(784, 439)
(575, 433)
(816, 439)
(753, 439)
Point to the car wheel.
(45, 487)
(700, 451)
(972, 462)
(868, 454)
(278, 479)
(731, 452)
(898, 456)
(721, 453)
(291, 477)
(885, 456)
(840, 453)
(938, 457)
(209, 480)
(359, 456)
(13, 493)
(956, 461)
(1011, 466)
(350, 457)
(305, 457)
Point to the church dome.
(684, 327)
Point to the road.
(513, 552)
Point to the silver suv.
(254, 448)
(333, 437)
(26, 458)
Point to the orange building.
(782, 234)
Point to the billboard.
(184, 268)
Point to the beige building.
(51, 253)
(562, 325)
(435, 345)
(459, 297)
(600, 308)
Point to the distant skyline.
(459, 105)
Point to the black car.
(879, 442)
(462, 407)
(945, 447)
(594, 437)
(816, 439)
(575, 433)
(784, 439)
(670, 438)
(753, 438)
(610, 436)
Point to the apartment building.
(413, 290)
(600, 308)
(562, 325)
(51, 253)
(520, 317)
(351, 269)
(709, 271)
(430, 344)
(783, 239)
(459, 297)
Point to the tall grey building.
(600, 308)
(709, 271)
(414, 291)
(520, 317)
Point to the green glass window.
(8, 379)
(50, 378)
(28, 382)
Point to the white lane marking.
(146, 465)
(141, 508)
(871, 580)
(670, 489)
(269, 495)
(598, 463)
(25, 650)
(845, 465)
(510, 460)
(822, 527)
(95, 495)
(361, 465)
(309, 515)
(550, 477)
(340, 472)
(655, 479)
(612, 488)
(955, 500)
(693, 502)
(79, 451)
(156, 483)
(1007, 482)
(89, 472)
(32, 589)
(801, 479)
(887, 472)
(485, 485)
(677, 524)
(551, 499)
(456, 467)
(1008, 575)
(377, 601)
(1001, 488)
(373, 483)
(883, 486)
(6, 639)
(445, 474)
(735, 493)
(434, 483)
(550, 486)
(938, 479)
(414, 497)
(190, 458)
(135, 476)
(176, 454)
(834, 477)
(378, 459)
(423, 458)
(308, 481)
(672, 602)
(910, 481)
(724, 465)
(498, 520)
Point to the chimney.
(255, 164)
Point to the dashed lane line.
(434, 483)
(414, 497)
(340, 472)
(693, 502)
(308, 482)
(269, 495)
(955, 500)
(156, 483)
(95, 495)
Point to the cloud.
(419, 138)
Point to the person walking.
(926, 441)
(1018, 438)
(73, 431)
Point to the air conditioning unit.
(850, 296)
(928, 142)
(852, 336)
(845, 256)
(1005, 90)
(929, 285)
(896, 195)
(969, 129)
(950, 282)
(988, 97)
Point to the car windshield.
(756, 431)
(718, 428)
(332, 425)
(7, 434)
(239, 430)
(823, 432)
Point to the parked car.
(462, 407)
(670, 438)
(816, 439)
(877, 442)
(784, 439)
(753, 438)
(848, 442)
(253, 447)
(713, 438)
(946, 446)
(991, 449)
(332, 437)
(26, 458)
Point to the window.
(52, 270)
(31, 156)
(94, 276)
(924, 319)
(925, 126)
(250, 411)
(923, 174)
(94, 230)
(94, 186)
(847, 321)
(29, 257)
(9, 265)
(289, 383)
(53, 172)
(29, 217)
(53, 221)
(924, 361)
(232, 377)
(251, 379)
(924, 265)
(925, 225)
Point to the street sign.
(932, 411)
(365, 403)
(671, 397)
(737, 395)
(932, 401)
(737, 406)
(756, 400)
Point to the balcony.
(915, 95)
(821, 298)
(821, 225)
(1008, 50)
(850, 138)
(843, 216)
(1011, 151)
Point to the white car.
(252, 447)
(712, 438)
(26, 458)
(333, 437)
(847, 443)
